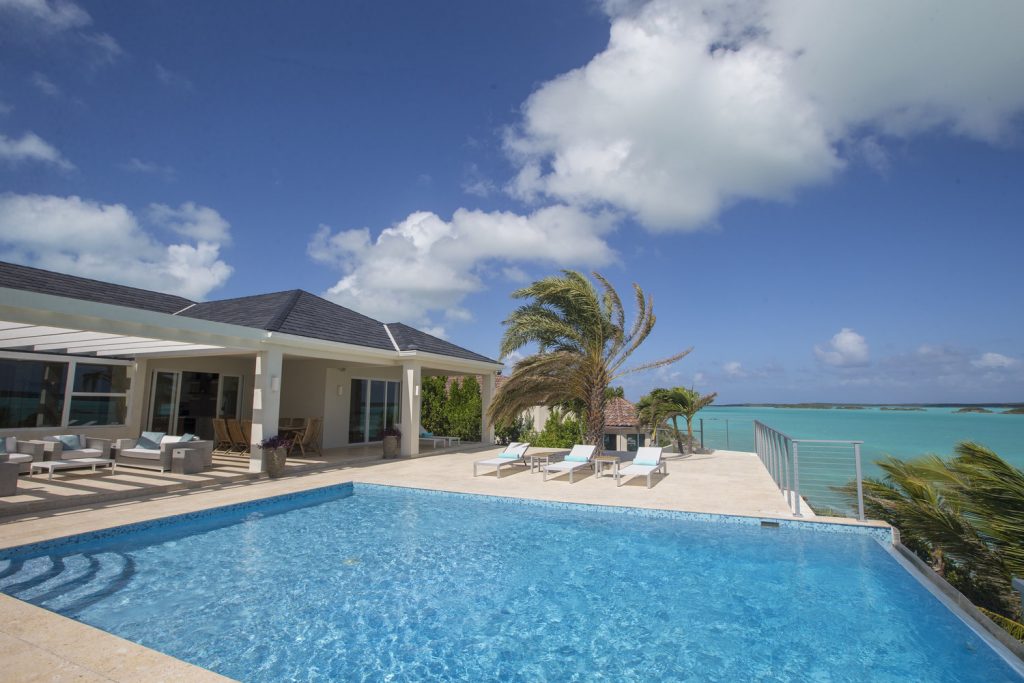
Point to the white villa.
(105, 360)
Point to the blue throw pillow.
(70, 442)
(188, 437)
(3, 445)
(150, 440)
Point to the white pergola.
(41, 338)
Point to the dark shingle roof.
(296, 312)
(411, 339)
(29, 279)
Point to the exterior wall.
(223, 365)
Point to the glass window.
(101, 379)
(610, 442)
(97, 410)
(394, 417)
(633, 441)
(31, 393)
(378, 391)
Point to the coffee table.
(75, 464)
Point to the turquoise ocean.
(903, 434)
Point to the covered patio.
(86, 357)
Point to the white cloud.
(31, 147)
(994, 361)
(30, 20)
(695, 105)
(515, 274)
(845, 349)
(104, 241)
(734, 369)
(198, 222)
(49, 15)
(173, 79)
(136, 165)
(44, 85)
(425, 264)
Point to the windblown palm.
(583, 345)
(663, 406)
(964, 515)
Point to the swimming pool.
(362, 582)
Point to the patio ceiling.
(24, 337)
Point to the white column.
(266, 402)
(138, 373)
(411, 376)
(486, 396)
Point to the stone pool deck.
(39, 645)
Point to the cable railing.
(809, 471)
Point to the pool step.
(67, 585)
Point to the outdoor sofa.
(155, 450)
(75, 446)
(22, 453)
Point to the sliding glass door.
(186, 402)
(373, 407)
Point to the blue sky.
(824, 201)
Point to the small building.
(622, 430)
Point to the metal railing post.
(796, 477)
(701, 432)
(860, 484)
(785, 473)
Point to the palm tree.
(663, 406)
(965, 516)
(583, 344)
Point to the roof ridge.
(274, 324)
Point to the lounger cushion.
(150, 440)
(647, 456)
(580, 454)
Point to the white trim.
(391, 337)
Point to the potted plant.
(392, 441)
(275, 452)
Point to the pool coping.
(884, 534)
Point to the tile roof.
(295, 312)
(618, 412)
(41, 281)
(411, 339)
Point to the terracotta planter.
(391, 446)
(274, 462)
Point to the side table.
(603, 461)
(186, 461)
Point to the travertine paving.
(38, 645)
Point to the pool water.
(376, 583)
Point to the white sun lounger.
(512, 455)
(579, 457)
(646, 462)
